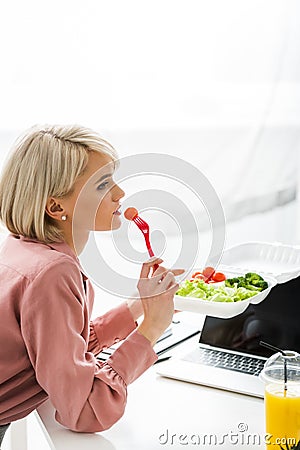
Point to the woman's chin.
(116, 222)
(114, 225)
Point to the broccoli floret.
(251, 281)
(250, 287)
(243, 283)
(255, 280)
(263, 285)
(230, 282)
(251, 276)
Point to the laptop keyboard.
(216, 358)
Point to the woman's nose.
(118, 193)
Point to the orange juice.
(282, 413)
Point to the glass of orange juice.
(281, 375)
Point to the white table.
(164, 413)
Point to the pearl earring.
(63, 217)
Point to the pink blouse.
(47, 342)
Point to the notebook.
(229, 356)
(178, 332)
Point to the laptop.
(229, 355)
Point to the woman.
(46, 299)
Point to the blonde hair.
(45, 162)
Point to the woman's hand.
(157, 289)
(135, 306)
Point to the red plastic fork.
(132, 214)
(144, 227)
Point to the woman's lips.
(117, 212)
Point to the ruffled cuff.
(112, 327)
(94, 345)
(133, 357)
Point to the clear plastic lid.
(280, 261)
(281, 368)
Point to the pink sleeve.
(110, 328)
(88, 395)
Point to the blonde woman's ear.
(54, 209)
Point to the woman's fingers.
(148, 265)
(159, 281)
(177, 271)
(161, 272)
(168, 279)
(162, 269)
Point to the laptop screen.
(275, 320)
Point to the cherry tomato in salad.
(208, 272)
(218, 276)
(199, 276)
(196, 273)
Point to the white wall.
(139, 64)
(215, 82)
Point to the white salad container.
(276, 263)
